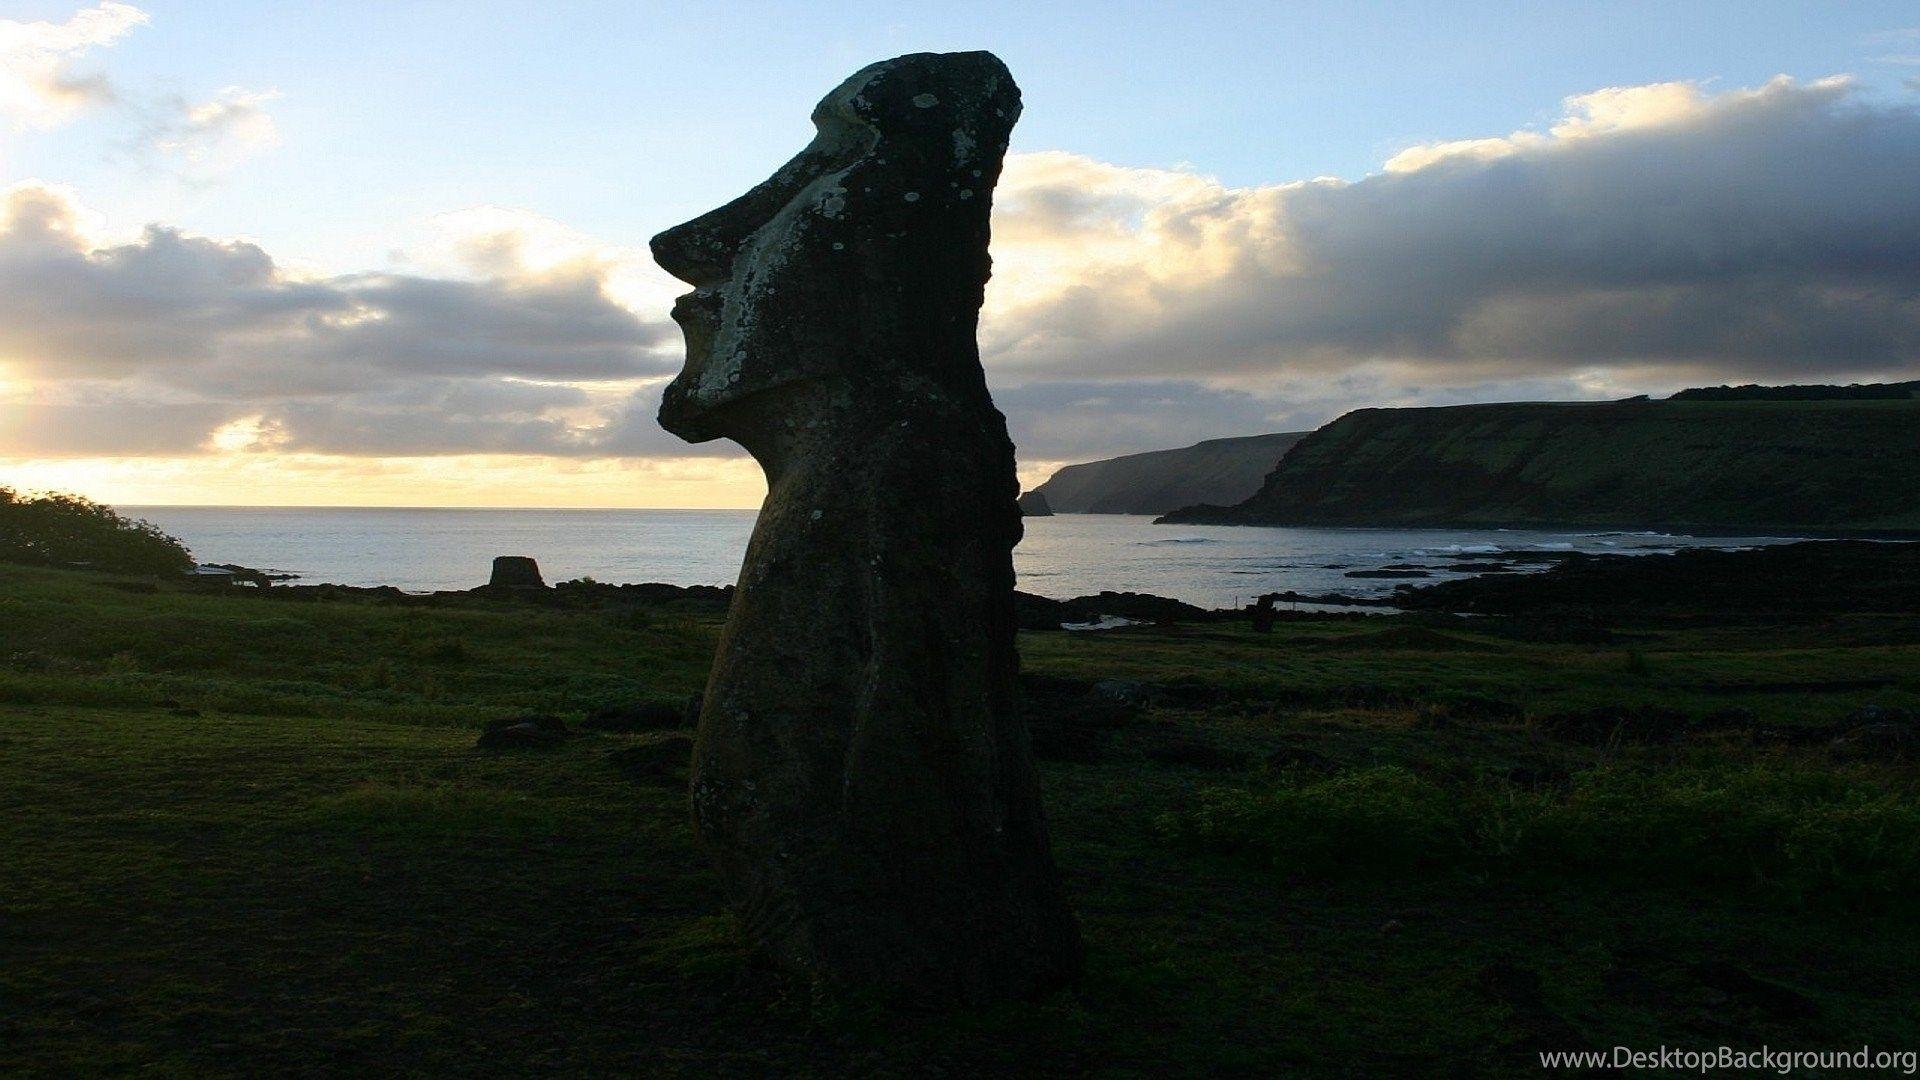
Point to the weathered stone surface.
(516, 572)
(861, 776)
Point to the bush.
(66, 530)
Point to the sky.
(395, 253)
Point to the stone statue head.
(858, 268)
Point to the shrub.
(67, 530)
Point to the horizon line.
(397, 506)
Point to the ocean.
(1069, 555)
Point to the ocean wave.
(1177, 540)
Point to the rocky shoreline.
(1814, 576)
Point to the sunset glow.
(192, 310)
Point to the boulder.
(642, 716)
(516, 572)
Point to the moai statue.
(861, 776)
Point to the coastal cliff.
(1819, 465)
(1214, 471)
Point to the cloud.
(200, 142)
(1060, 421)
(188, 310)
(160, 339)
(39, 87)
(1893, 37)
(1075, 420)
(1658, 233)
(203, 142)
(1652, 237)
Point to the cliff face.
(1781, 465)
(1215, 471)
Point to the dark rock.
(1386, 573)
(1033, 612)
(639, 716)
(1069, 720)
(523, 732)
(1109, 703)
(638, 597)
(662, 760)
(1803, 581)
(1044, 613)
(1262, 615)
(861, 777)
(1034, 504)
(1144, 607)
(515, 572)
(1196, 754)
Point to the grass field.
(244, 836)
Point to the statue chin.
(683, 419)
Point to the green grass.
(1782, 830)
(242, 835)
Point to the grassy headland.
(247, 831)
(1848, 466)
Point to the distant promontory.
(1215, 471)
(1736, 458)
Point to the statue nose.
(697, 252)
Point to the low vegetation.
(1779, 830)
(67, 530)
(246, 831)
